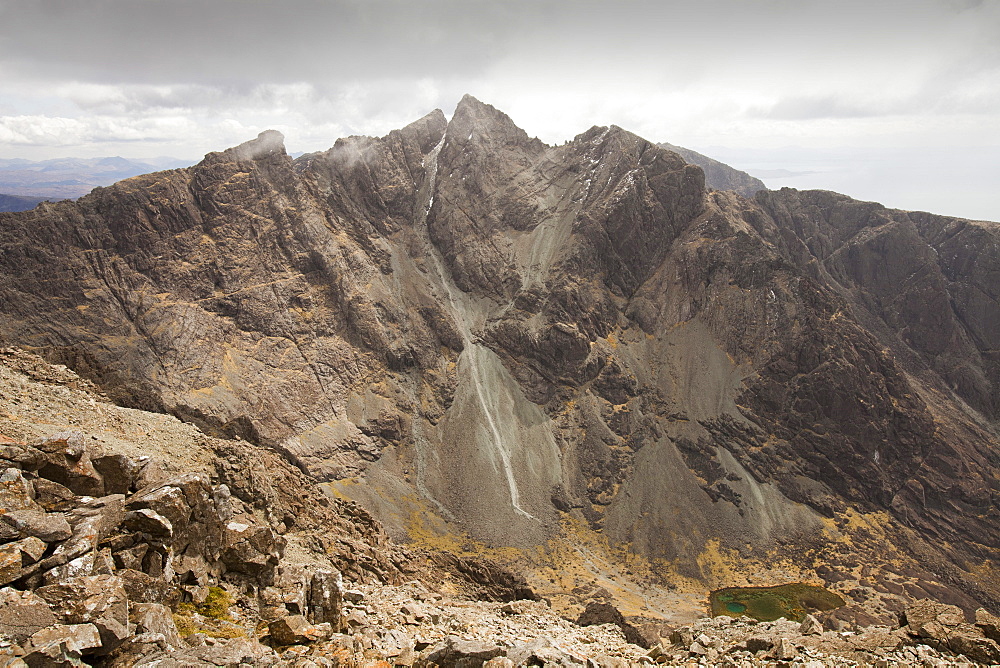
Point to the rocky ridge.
(484, 339)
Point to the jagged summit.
(268, 143)
(484, 123)
(472, 333)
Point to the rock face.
(461, 327)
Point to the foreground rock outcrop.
(208, 551)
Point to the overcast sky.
(897, 101)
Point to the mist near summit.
(893, 101)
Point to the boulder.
(785, 650)
(395, 643)
(180, 499)
(604, 661)
(234, 652)
(540, 652)
(97, 518)
(294, 630)
(252, 549)
(454, 650)
(52, 496)
(131, 557)
(21, 456)
(67, 462)
(99, 600)
(975, 646)
(197, 533)
(14, 556)
(16, 492)
(988, 623)
(504, 662)
(759, 644)
(356, 619)
(49, 527)
(92, 521)
(605, 613)
(117, 471)
(698, 649)
(810, 626)
(10, 564)
(22, 613)
(149, 472)
(155, 618)
(353, 595)
(926, 618)
(60, 645)
(682, 637)
(143, 588)
(943, 626)
(148, 521)
(32, 549)
(324, 599)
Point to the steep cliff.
(471, 332)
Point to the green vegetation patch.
(765, 604)
(211, 617)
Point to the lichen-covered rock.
(143, 588)
(988, 623)
(14, 556)
(251, 549)
(294, 630)
(456, 651)
(16, 493)
(49, 527)
(944, 626)
(155, 618)
(22, 613)
(149, 521)
(931, 619)
(67, 461)
(61, 643)
(325, 600)
(99, 600)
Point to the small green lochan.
(791, 601)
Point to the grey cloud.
(815, 107)
(228, 41)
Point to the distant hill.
(719, 175)
(10, 203)
(69, 178)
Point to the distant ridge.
(11, 203)
(719, 175)
(69, 178)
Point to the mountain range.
(575, 358)
(67, 178)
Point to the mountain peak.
(428, 129)
(475, 119)
(268, 143)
